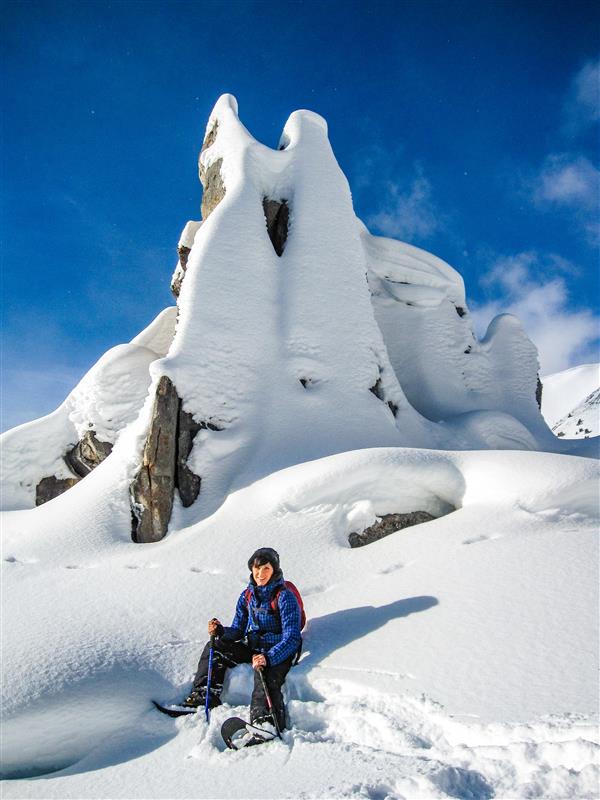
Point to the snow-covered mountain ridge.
(571, 402)
(311, 380)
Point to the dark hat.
(264, 555)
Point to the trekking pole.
(268, 699)
(208, 677)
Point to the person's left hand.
(259, 661)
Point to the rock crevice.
(277, 215)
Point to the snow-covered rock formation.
(297, 335)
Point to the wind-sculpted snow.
(420, 305)
(280, 351)
(159, 334)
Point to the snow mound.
(420, 305)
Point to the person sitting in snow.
(263, 633)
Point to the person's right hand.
(213, 626)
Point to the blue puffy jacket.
(275, 633)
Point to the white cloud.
(407, 214)
(568, 181)
(529, 288)
(571, 184)
(582, 106)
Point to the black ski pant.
(229, 654)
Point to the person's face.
(262, 575)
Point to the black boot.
(196, 698)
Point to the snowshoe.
(237, 733)
(175, 710)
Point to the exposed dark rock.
(277, 215)
(538, 391)
(214, 188)
(377, 389)
(212, 182)
(164, 465)
(186, 481)
(211, 426)
(153, 487)
(49, 488)
(183, 253)
(81, 460)
(460, 311)
(389, 523)
(87, 454)
(210, 137)
(468, 350)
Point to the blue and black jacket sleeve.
(237, 629)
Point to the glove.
(215, 628)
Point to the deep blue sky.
(467, 128)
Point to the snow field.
(432, 666)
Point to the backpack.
(275, 600)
